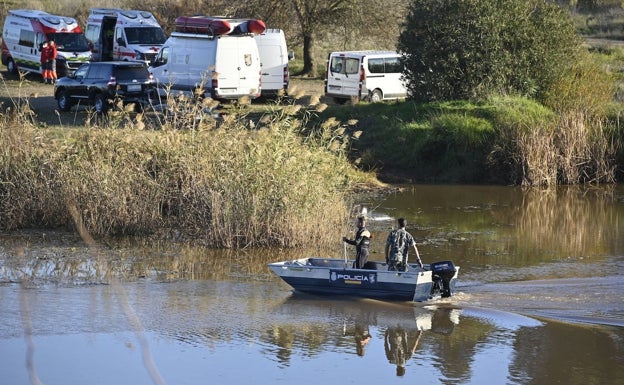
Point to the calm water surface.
(539, 302)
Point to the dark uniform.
(361, 243)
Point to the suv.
(101, 83)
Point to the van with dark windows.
(364, 75)
(104, 84)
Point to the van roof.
(190, 35)
(28, 13)
(127, 15)
(272, 30)
(363, 53)
(37, 14)
(49, 20)
(130, 13)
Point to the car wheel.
(100, 104)
(376, 96)
(63, 100)
(11, 67)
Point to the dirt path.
(40, 97)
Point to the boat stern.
(444, 278)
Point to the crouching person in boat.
(397, 247)
(361, 243)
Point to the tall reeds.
(538, 147)
(225, 186)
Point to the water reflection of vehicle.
(337, 277)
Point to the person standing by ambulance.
(52, 61)
(45, 52)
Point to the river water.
(539, 301)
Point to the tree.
(326, 24)
(332, 24)
(469, 49)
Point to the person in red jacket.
(52, 61)
(45, 53)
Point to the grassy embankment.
(226, 186)
(503, 141)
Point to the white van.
(364, 75)
(274, 57)
(118, 34)
(225, 66)
(26, 30)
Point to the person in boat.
(361, 243)
(397, 247)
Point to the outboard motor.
(442, 273)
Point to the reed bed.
(234, 183)
(541, 148)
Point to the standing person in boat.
(397, 247)
(361, 243)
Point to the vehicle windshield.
(75, 42)
(145, 35)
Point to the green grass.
(504, 140)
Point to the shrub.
(470, 49)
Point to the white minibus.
(364, 75)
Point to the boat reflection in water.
(360, 326)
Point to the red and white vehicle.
(26, 30)
(118, 34)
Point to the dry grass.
(226, 184)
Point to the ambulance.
(118, 34)
(26, 30)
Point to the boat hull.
(325, 276)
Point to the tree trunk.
(309, 61)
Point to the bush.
(470, 49)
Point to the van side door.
(393, 71)
(119, 45)
(93, 35)
(343, 78)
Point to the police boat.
(332, 276)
